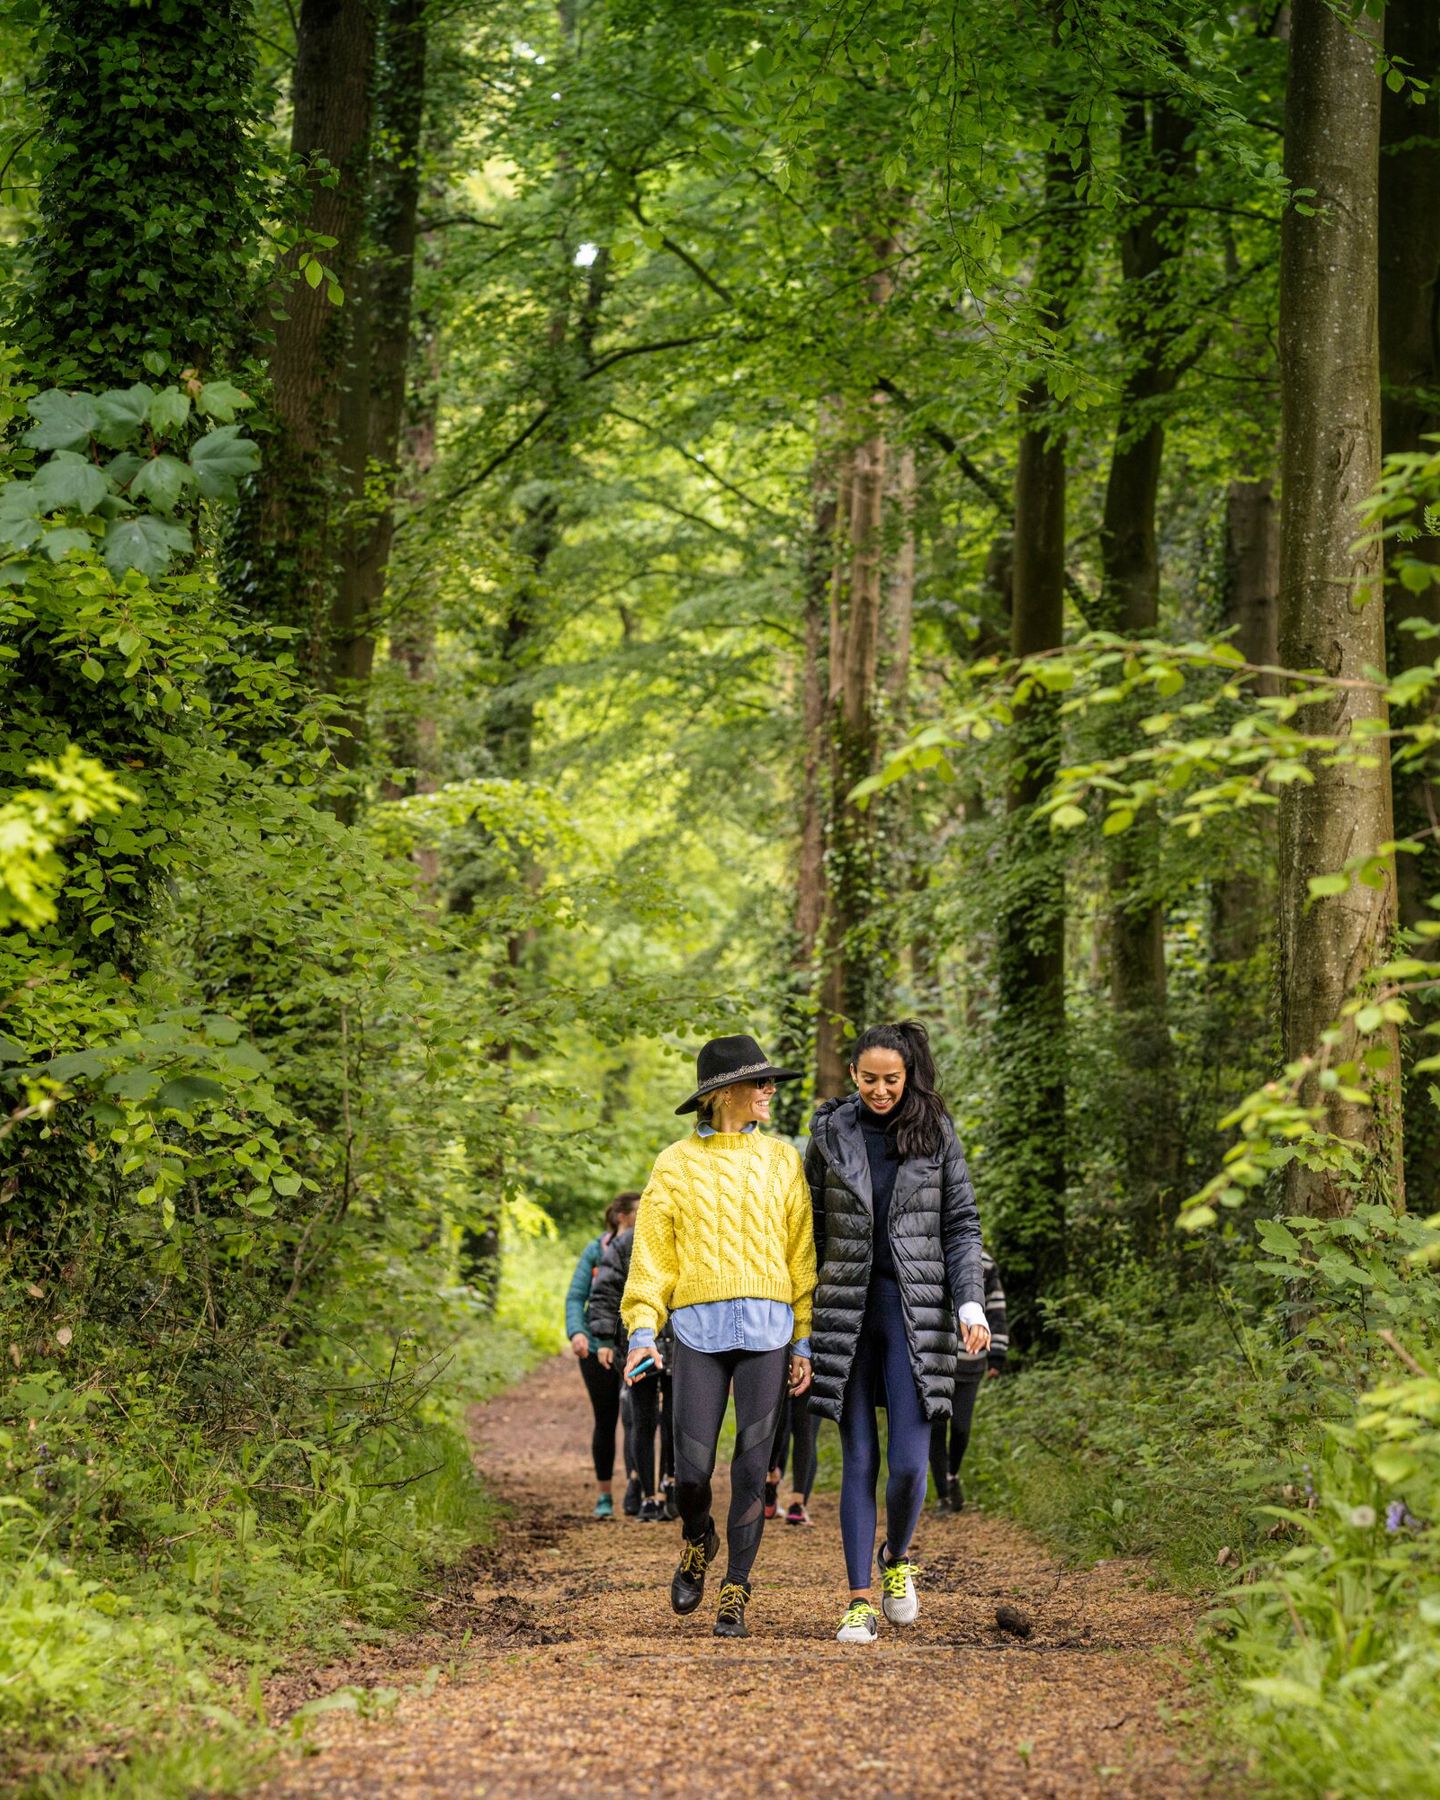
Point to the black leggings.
(652, 1406)
(798, 1425)
(943, 1465)
(701, 1387)
(603, 1387)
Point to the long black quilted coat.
(935, 1238)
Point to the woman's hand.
(638, 1353)
(975, 1338)
(800, 1372)
(580, 1345)
(606, 1354)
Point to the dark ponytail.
(920, 1129)
(622, 1203)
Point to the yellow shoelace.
(894, 1578)
(692, 1559)
(732, 1599)
(857, 1613)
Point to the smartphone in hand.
(646, 1366)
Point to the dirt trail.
(577, 1679)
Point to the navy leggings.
(881, 1374)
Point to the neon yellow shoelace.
(857, 1613)
(895, 1576)
(692, 1559)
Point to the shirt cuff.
(972, 1313)
(642, 1338)
(801, 1347)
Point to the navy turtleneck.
(878, 1131)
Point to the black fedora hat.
(728, 1059)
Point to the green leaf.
(183, 1092)
(68, 483)
(1066, 818)
(1120, 820)
(123, 412)
(60, 543)
(161, 481)
(1392, 1464)
(62, 421)
(1322, 887)
(19, 534)
(220, 459)
(169, 409)
(313, 271)
(156, 361)
(222, 400)
(1284, 1690)
(144, 543)
(1369, 1018)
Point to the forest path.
(586, 1684)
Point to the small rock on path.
(577, 1681)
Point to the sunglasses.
(766, 1086)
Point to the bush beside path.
(569, 1675)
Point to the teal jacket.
(577, 1300)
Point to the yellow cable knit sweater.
(722, 1218)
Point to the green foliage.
(106, 453)
(144, 255)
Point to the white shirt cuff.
(972, 1313)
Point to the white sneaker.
(897, 1590)
(859, 1626)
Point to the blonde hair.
(705, 1106)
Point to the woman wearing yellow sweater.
(724, 1245)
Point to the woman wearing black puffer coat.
(897, 1241)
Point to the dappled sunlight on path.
(577, 1680)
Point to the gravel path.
(564, 1672)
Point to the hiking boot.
(860, 1625)
(651, 1512)
(795, 1513)
(730, 1616)
(632, 1497)
(954, 1494)
(687, 1588)
(897, 1585)
(604, 1507)
(772, 1498)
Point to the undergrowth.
(1283, 1459)
(174, 1528)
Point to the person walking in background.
(724, 1248)
(601, 1384)
(650, 1398)
(796, 1436)
(897, 1238)
(970, 1372)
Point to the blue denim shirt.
(742, 1324)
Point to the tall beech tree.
(1410, 409)
(1157, 158)
(373, 412)
(1026, 1167)
(289, 541)
(1332, 616)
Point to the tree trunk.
(287, 539)
(1240, 904)
(136, 267)
(1410, 372)
(796, 1046)
(1026, 1170)
(857, 592)
(1331, 606)
(1153, 151)
(382, 362)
